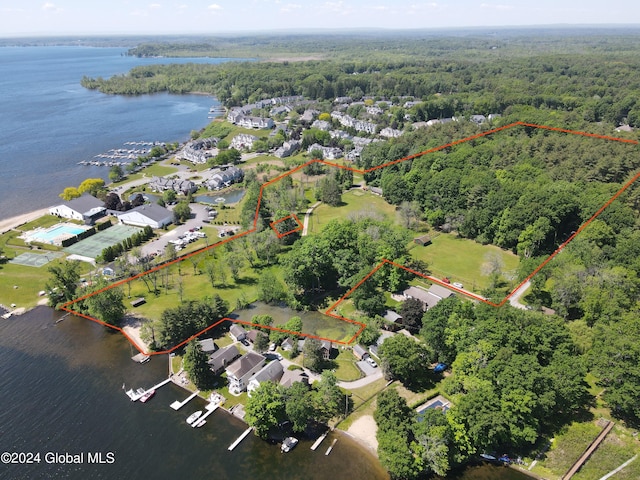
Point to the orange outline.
(383, 262)
(282, 235)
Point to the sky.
(84, 17)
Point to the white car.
(457, 285)
(371, 362)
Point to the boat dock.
(178, 405)
(331, 447)
(140, 392)
(209, 410)
(240, 438)
(319, 440)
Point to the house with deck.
(220, 359)
(271, 372)
(240, 371)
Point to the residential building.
(393, 317)
(390, 132)
(224, 178)
(255, 122)
(243, 141)
(328, 153)
(289, 377)
(288, 148)
(429, 298)
(271, 372)
(160, 184)
(321, 125)
(360, 352)
(152, 215)
(86, 208)
(240, 371)
(208, 346)
(237, 333)
(198, 151)
(326, 348)
(220, 359)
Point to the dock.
(212, 407)
(331, 447)
(178, 405)
(240, 438)
(141, 358)
(587, 453)
(135, 395)
(320, 439)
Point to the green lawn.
(347, 370)
(463, 260)
(354, 202)
(44, 222)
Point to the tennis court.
(94, 245)
(29, 259)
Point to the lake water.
(49, 122)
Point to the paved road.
(514, 300)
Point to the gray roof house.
(237, 332)
(360, 352)
(207, 345)
(392, 316)
(240, 371)
(289, 377)
(152, 215)
(271, 372)
(224, 178)
(326, 348)
(219, 360)
(429, 298)
(86, 208)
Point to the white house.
(240, 371)
(85, 208)
(243, 141)
(152, 215)
(271, 372)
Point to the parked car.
(371, 362)
(457, 285)
(446, 280)
(440, 367)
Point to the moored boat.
(191, 419)
(147, 396)
(288, 444)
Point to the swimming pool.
(51, 234)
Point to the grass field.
(347, 370)
(463, 260)
(354, 202)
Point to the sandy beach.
(132, 327)
(364, 430)
(13, 222)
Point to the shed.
(360, 352)
(423, 240)
(138, 301)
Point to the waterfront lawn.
(44, 221)
(353, 202)
(463, 260)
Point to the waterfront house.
(325, 349)
(208, 346)
(220, 359)
(86, 208)
(271, 372)
(152, 215)
(237, 333)
(240, 371)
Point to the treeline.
(599, 85)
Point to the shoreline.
(14, 222)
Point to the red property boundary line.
(330, 310)
(282, 235)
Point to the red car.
(446, 280)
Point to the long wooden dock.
(177, 405)
(587, 453)
(240, 438)
(320, 439)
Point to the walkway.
(592, 448)
(362, 382)
(514, 299)
(306, 218)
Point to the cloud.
(495, 6)
(380, 8)
(337, 7)
(154, 6)
(50, 7)
(290, 7)
(214, 7)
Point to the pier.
(135, 395)
(320, 439)
(210, 408)
(177, 405)
(240, 438)
(331, 447)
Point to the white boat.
(288, 444)
(193, 417)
